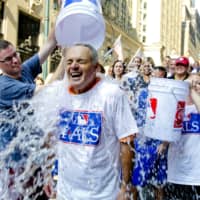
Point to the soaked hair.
(4, 44)
(94, 54)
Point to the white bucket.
(165, 109)
(80, 21)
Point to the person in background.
(183, 155)
(101, 69)
(95, 144)
(166, 62)
(171, 67)
(146, 68)
(195, 67)
(135, 88)
(159, 71)
(135, 64)
(181, 69)
(153, 162)
(118, 70)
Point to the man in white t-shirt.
(183, 156)
(96, 129)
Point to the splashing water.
(36, 148)
(26, 161)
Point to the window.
(144, 39)
(145, 5)
(1, 17)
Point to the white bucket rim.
(70, 12)
(169, 83)
(97, 7)
(80, 9)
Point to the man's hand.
(162, 148)
(50, 190)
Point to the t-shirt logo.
(80, 127)
(83, 119)
(191, 124)
(178, 122)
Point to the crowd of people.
(162, 169)
(102, 152)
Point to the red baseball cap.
(182, 61)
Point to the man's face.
(10, 62)
(80, 70)
(172, 66)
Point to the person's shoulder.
(30, 62)
(6, 80)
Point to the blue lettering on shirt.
(68, 2)
(80, 127)
(192, 124)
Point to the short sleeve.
(125, 124)
(32, 66)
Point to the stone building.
(167, 27)
(118, 16)
(26, 24)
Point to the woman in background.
(118, 70)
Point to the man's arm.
(194, 81)
(126, 155)
(48, 47)
(59, 73)
(195, 94)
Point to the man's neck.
(91, 85)
(12, 76)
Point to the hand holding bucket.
(80, 21)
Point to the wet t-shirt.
(183, 155)
(13, 91)
(90, 126)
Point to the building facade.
(26, 23)
(158, 27)
(118, 17)
(167, 27)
